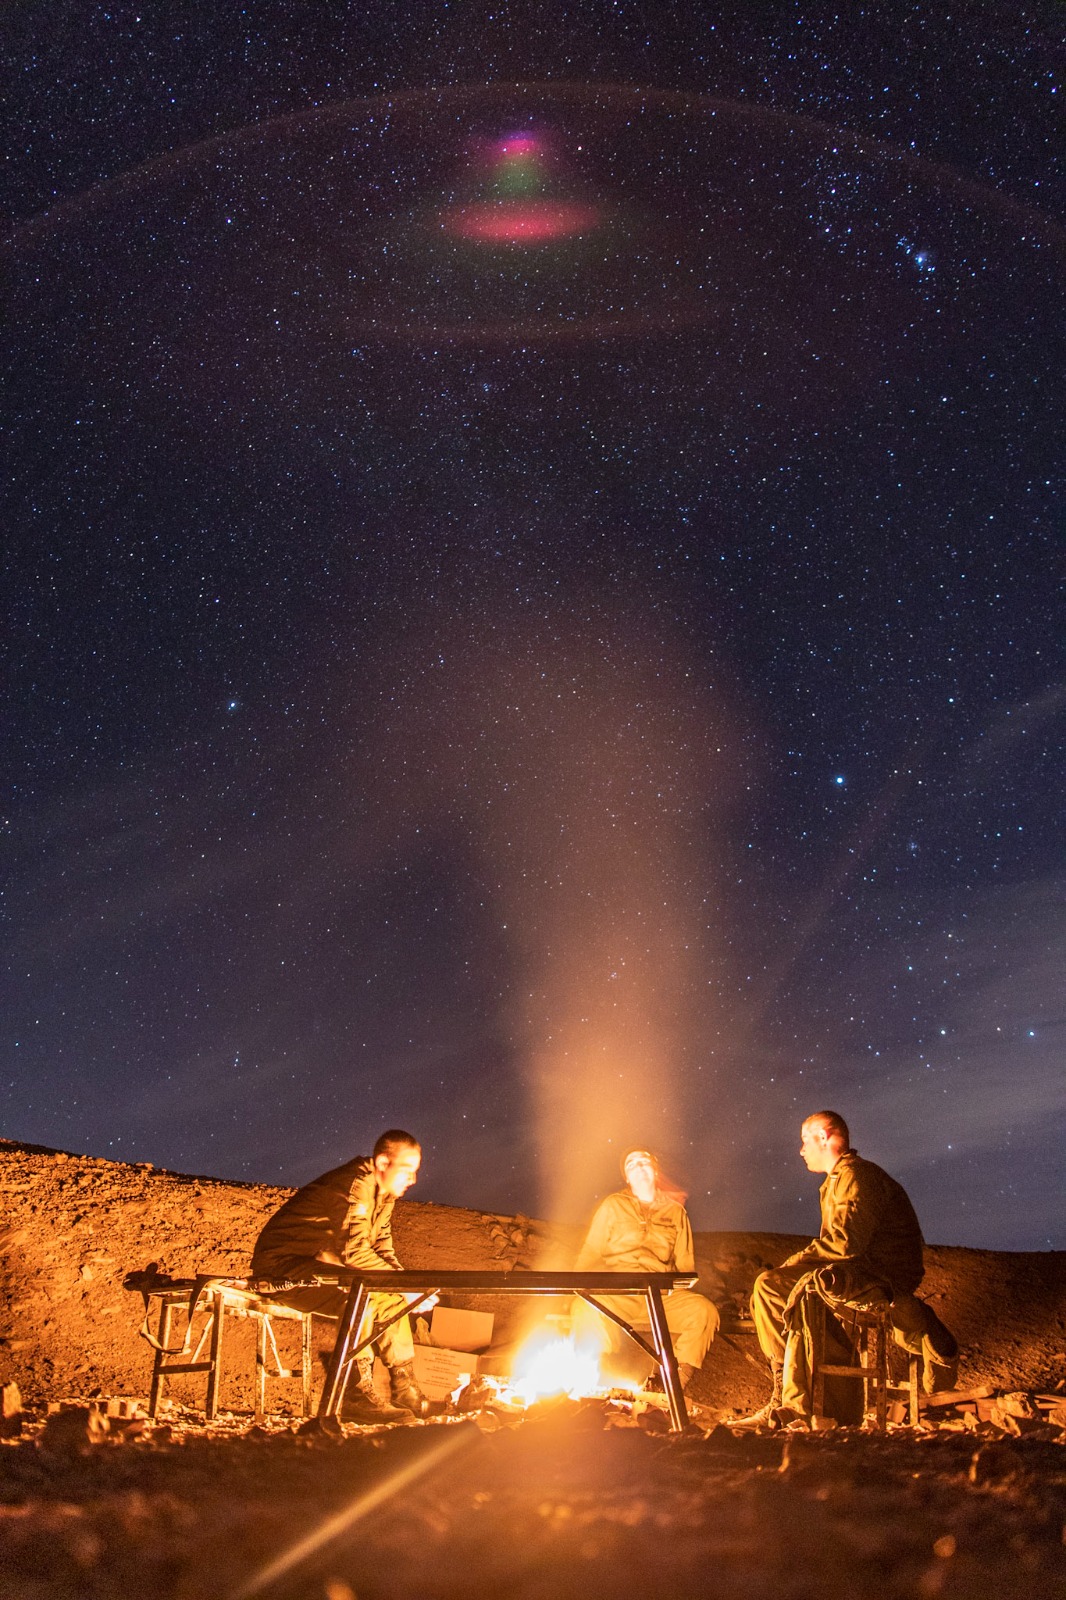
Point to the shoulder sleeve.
(384, 1245)
(851, 1216)
(359, 1249)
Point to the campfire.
(550, 1367)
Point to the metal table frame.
(422, 1284)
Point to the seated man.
(641, 1229)
(869, 1251)
(344, 1218)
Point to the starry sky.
(531, 578)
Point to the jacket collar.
(847, 1160)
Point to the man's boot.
(363, 1404)
(685, 1371)
(766, 1419)
(405, 1390)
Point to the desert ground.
(566, 1498)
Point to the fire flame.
(554, 1367)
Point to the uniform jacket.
(343, 1212)
(868, 1222)
(626, 1236)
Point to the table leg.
(675, 1395)
(262, 1322)
(166, 1317)
(347, 1332)
(305, 1360)
(216, 1302)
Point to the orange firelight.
(547, 1367)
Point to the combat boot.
(363, 1404)
(768, 1418)
(685, 1372)
(405, 1391)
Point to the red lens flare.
(522, 222)
(520, 144)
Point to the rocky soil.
(572, 1498)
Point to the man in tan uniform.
(641, 1229)
(344, 1218)
(869, 1251)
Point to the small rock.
(74, 1430)
(1017, 1404)
(320, 1430)
(10, 1411)
(654, 1422)
(120, 1406)
(124, 1429)
(994, 1463)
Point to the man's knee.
(697, 1313)
(765, 1291)
(712, 1319)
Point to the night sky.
(531, 576)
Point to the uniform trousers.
(781, 1330)
(691, 1318)
(395, 1345)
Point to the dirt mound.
(76, 1225)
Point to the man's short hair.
(394, 1139)
(833, 1123)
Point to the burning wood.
(555, 1366)
(551, 1368)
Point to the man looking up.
(869, 1250)
(344, 1219)
(642, 1229)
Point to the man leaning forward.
(344, 1219)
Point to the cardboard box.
(460, 1330)
(441, 1372)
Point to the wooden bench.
(200, 1307)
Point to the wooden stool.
(202, 1352)
(873, 1326)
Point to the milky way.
(531, 604)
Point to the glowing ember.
(555, 1367)
(522, 222)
